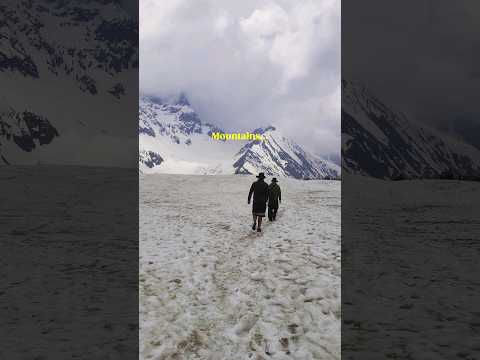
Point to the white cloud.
(250, 63)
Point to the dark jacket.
(259, 190)
(274, 195)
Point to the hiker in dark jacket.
(259, 190)
(274, 197)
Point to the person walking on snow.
(274, 197)
(259, 190)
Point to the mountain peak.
(277, 155)
(264, 130)
(170, 100)
(182, 100)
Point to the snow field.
(210, 288)
(411, 257)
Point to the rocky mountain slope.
(278, 155)
(382, 143)
(52, 85)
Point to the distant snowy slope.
(378, 142)
(278, 155)
(170, 129)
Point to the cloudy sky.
(250, 63)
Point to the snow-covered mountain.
(382, 143)
(60, 61)
(173, 139)
(278, 155)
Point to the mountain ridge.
(380, 142)
(173, 130)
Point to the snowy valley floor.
(68, 244)
(410, 269)
(210, 288)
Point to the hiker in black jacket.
(274, 197)
(259, 189)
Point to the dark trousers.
(272, 213)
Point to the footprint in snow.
(256, 276)
(245, 324)
(292, 328)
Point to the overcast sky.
(420, 57)
(250, 63)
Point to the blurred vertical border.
(69, 179)
(410, 180)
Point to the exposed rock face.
(382, 143)
(37, 52)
